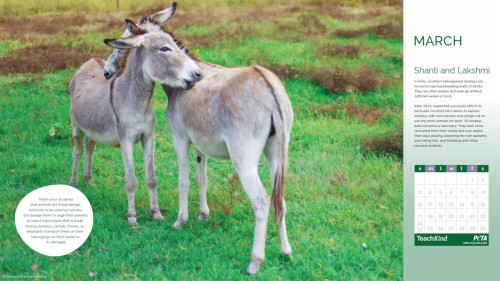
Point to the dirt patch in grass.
(307, 25)
(43, 40)
(190, 17)
(367, 79)
(113, 24)
(391, 143)
(311, 23)
(150, 10)
(386, 30)
(339, 80)
(335, 79)
(285, 71)
(371, 11)
(349, 51)
(367, 115)
(25, 29)
(43, 57)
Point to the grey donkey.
(117, 112)
(233, 113)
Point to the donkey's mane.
(150, 24)
(122, 62)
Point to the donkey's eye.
(165, 49)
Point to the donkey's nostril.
(107, 75)
(197, 74)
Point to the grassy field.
(342, 68)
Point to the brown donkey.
(118, 112)
(233, 113)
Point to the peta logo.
(480, 238)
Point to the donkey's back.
(230, 105)
(88, 78)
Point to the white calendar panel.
(451, 205)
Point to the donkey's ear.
(133, 28)
(163, 16)
(130, 42)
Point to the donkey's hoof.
(254, 266)
(72, 183)
(178, 224)
(132, 221)
(286, 250)
(88, 180)
(202, 216)
(157, 216)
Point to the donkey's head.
(163, 60)
(151, 23)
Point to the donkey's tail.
(279, 177)
(281, 122)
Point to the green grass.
(339, 195)
(8, 46)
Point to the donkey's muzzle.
(196, 76)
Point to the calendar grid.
(451, 201)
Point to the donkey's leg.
(89, 149)
(201, 180)
(273, 159)
(127, 147)
(77, 153)
(148, 147)
(246, 163)
(182, 150)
